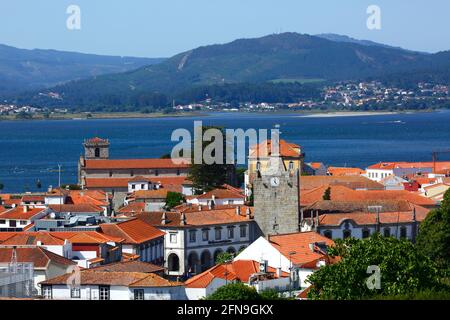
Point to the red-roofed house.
(19, 218)
(140, 238)
(302, 252)
(218, 197)
(256, 274)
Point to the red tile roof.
(167, 182)
(197, 218)
(240, 270)
(150, 194)
(83, 237)
(136, 164)
(129, 266)
(352, 182)
(298, 245)
(134, 231)
(341, 193)
(264, 149)
(221, 194)
(338, 171)
(128, 279)
(96, 140)
(76, 208)
(33, 198)
(133, 207)
(440, 165)
(32, 238)
(6, 235)
(37, 255)
(18, 213)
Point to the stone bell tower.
(96, 148)
(276, 198)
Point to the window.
(291, 165)
(218, 233)
(178, 172)
(132, 173)
(205, 234)
(47, 292)
(192, 235)
(230, 232)
(104, 292)
(258, 165)
(75, 292)
(2, 221)
(110, 174)
(403, 232)
(156, 173)
(243, 230)
(142, 186)
(173, 238)
(328, 234)
(139, 294)
(230, 202)
(97, 152)
(133, 186)
(12, 223)
(366, 233)
(347, 234)
(387, 232)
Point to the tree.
(433, 239)
(402, 270)
(327, 194)
(206, 177)
(234, 291)
(224, 257)
(173, 199)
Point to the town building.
(382, 170)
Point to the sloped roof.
(352, 182)
(264, 149)
(129, 266)
(134, 231)
(221, 194)
(31, 238)
(76, 208)
(237, 270)
(19, 213)
(37, 255)
(298, 245)
(136, 164)
(343, 171)
(359, 205)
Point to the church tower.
(276, 198)
(96, 148)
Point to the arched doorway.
(205, 260)
(173, 263)
(231, 251)
(193, 263)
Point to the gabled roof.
(341, 171)
(86, 237)
(134, 231)
(91, 197)
(37, 255)
(197, 218)
(136, 164)
(240, 270)
(128, 279)
(352, 182)
(150, 194)
(343, 206)
(32, 238)
(295, 246)
(133, 207)
(440, 165)
(341, 193)
(18, 213)
(221, 194)
(139, 179)
(76, 208)
(33, 198)
(129, 266)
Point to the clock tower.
(276, 198)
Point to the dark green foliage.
(403, 270)
(327, 194)
(206, 177)
(240, 291)
(433, 239)
(428, 294)
(224, 257)
(173, 199)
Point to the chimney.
(183, 219)
(25, 209)
(311, 247)
(199, 207)
(39, 243)
(164, 218)
(238, 211)
(247, 213)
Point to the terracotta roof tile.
(18, 213)
(77, 208)
(264, 149)
(298, 244)
(129, 266)
(222, 194)
(135, 164)
(134, 231)
(352, 182)
(32, 238)
(37, 255)
(339, 171)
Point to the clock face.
(275, 181)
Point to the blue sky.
(162, 28)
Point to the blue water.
(31, 150)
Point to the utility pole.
(59, 175)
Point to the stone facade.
(96, 148)
(276, 199)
